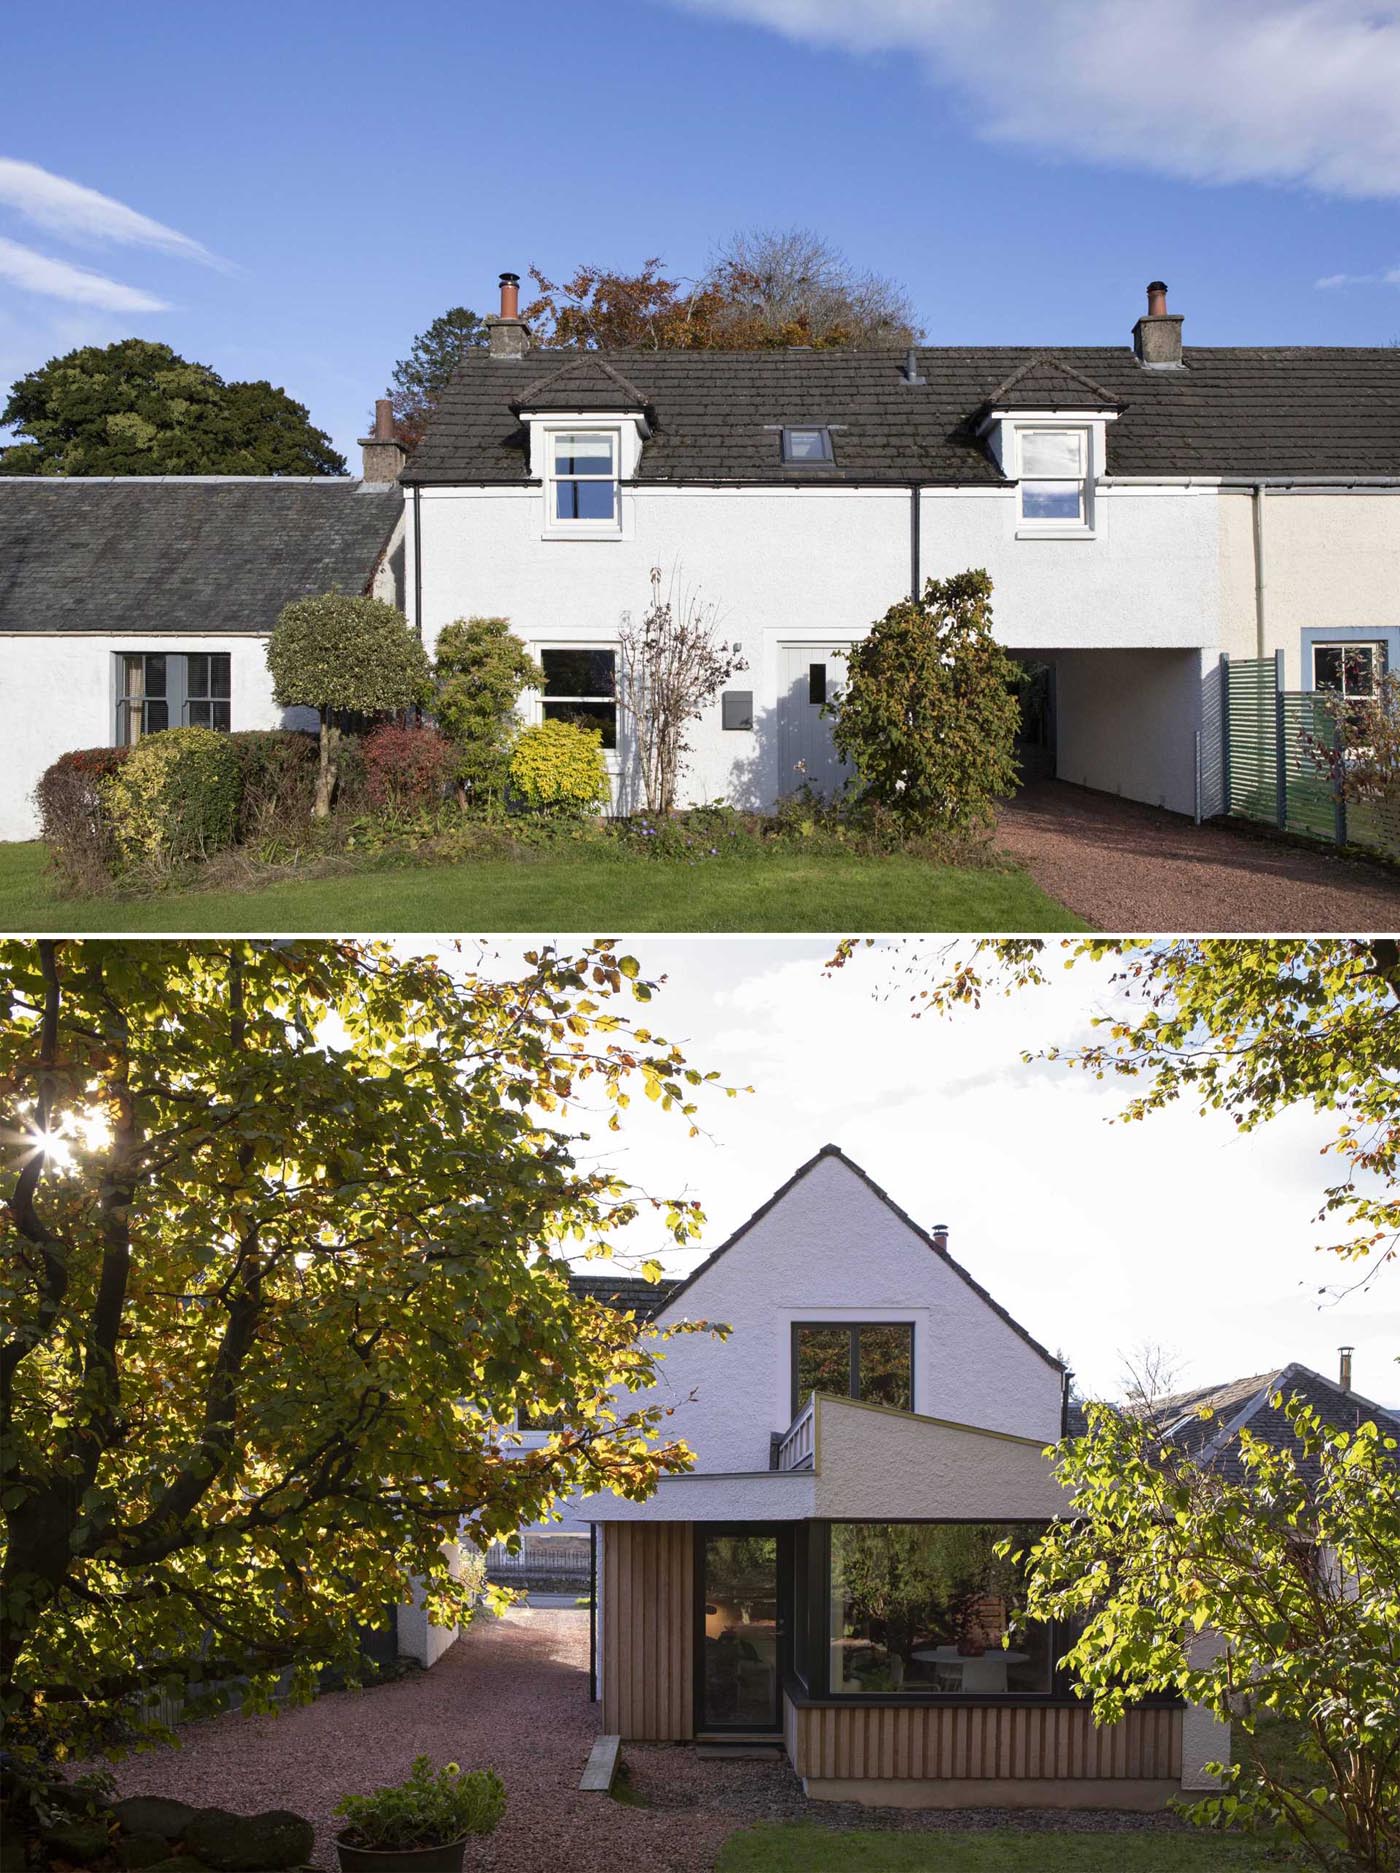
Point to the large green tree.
(420, 379)
(137, 408)
(1271, 1595)
(283, 1228)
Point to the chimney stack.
(1344, 1378)
(508, 334)
(939, 1234)
(1157, 336)
(384, 455)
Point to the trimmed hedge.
(558, 767)
(73, 818)
(175, 797)
(277, 778)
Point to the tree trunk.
(330, 765)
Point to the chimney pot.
(1344, 1377)
(508, 336)
(382, 453)
(1157, 334)
(939, 1232)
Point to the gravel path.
(513, 1694)
(1131, 868)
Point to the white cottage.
(1142, 509)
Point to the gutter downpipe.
(417, 562)
(914, 542)
(1260, 634)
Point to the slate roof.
(208, 554)
(1214, 1441)
(586, 382)
(627, 1293)
(1304, 410)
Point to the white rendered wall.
(60, 694)
(830, 1249)
(819, 565)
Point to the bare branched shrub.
(672, 665)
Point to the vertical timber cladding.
(982, 1742)
(648, 1630)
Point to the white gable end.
(830, 1248)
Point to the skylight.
(808, 447)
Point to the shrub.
(344, 656)
(929, 713)
(405, 768)
(277, 778)
(480, 671)
(73, 818)
(175, 797)
(558, 767)
(432, 1808)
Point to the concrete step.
(601, 1767)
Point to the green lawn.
(562, 894)
(799, 1848)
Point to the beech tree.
(283, 1229)
(1276, 1595)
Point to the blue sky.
(318, 181)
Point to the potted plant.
(420, 1825)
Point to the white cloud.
(57, 279)
(80, 214)
(1299, 91)
(1329, 281)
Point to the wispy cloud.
(1330, 281)
(1296, 91)
(82, 215)
(57, 279)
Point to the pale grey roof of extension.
(1214, 1441)
(190, 553)
(716, 415)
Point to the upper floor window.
(581, 686)
(158, 689)
(583, 478)
(808, 448)
(1054, 470)
(869, 1360)
(1353, 671)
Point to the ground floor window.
(581, 686)
(924, 1608)
(159, 689)
(1352, 671)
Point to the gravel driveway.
(513, 1694)
(1131, 868)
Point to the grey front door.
(808, 676)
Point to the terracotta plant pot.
(447, 1859)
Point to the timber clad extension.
(648, 1595)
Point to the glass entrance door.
(739, 1685)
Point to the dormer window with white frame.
(1054, 476)
(581, 475)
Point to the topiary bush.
(73, 819)
(277, 779)
(406, 769)
(175, 798)
(558, 767)
(480, 671)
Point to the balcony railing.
(797, 1447)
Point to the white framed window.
(158, 689)
(1350, 670)
(581, 476)
(580, 685)
(1053, 471)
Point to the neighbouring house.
(130, 604)
(1144, 510)
(826, 1579)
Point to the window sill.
(1055, 533)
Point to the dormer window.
(808, 448)
(1054, 469)
(582, 474)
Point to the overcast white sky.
(1096, 1237)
